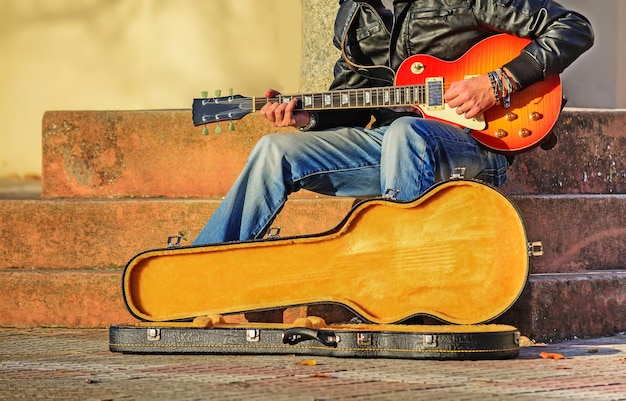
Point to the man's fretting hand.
(283, 114)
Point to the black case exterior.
(365, 341)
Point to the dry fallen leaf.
(310, 362)
(550, 355)
(593, 351)
(322, 375)
(525, 341)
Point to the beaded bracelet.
(508, 82)
(502, 87)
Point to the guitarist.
(340, 153)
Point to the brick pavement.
(77, 365)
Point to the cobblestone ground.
(66, 364)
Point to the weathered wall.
(133, 54)
(596, 80)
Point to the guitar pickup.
(434, 93)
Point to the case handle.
(298, 334)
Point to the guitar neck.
(359, 98)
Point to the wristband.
(494, 86)
(312, 122)
(505, 95)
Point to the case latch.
(429, 340)
(535, 248)
(364, 339)
(253, 336)
(153, 334)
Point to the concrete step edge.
(582, 232)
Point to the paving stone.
(75, 365)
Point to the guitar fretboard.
(430, 94)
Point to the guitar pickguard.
(449, 114)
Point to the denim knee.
(406, 133)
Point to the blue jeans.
(409, 156)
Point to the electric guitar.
(421, 81)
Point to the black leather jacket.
(446, 29)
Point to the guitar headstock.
(207, 110)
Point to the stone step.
(551, 307)
(78, 234)
(64, 298)
(562, 306)
(101, 154)
(62, 258)
(579, 232)
(588, 158)
(157, 153)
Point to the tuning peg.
(205, 131)
(230, 91)
(218, 93)
(218, 129)
(231, 126)
(205, 94)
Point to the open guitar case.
(458, 254)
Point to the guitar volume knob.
(417, 68)
(510, 116)
(501, 134)
(524, 133)
(535, 116)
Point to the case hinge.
(458, 173)
(535, 248)
(273, 233)
(173, 241)
(391, 194)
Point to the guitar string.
(370, 97)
